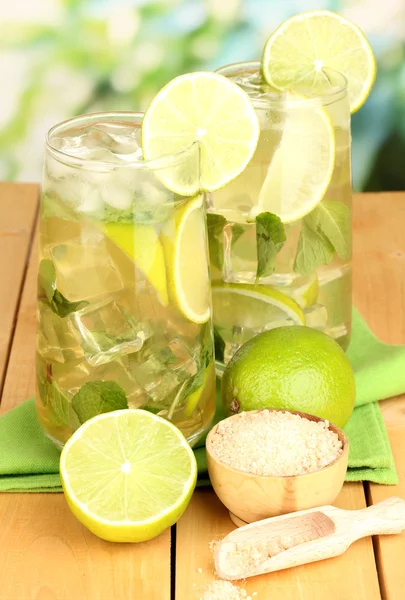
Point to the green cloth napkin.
(30, 463)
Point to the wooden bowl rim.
(340, 433)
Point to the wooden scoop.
(303, 537)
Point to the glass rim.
(162, 162)
(335, 93)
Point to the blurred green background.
(60, 58)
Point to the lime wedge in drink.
(296, 53)
(205, 108)
(185, 248)
(128, 475)
(141, 243)
(194, 397)
(302, 165)
(305, 293)
(243, 305)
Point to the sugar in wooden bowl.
(270, 462)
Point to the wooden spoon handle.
(387, 516)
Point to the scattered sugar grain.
(199, 570)
(275, 443)
(224, 590)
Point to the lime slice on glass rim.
(296, 53)
(244, 305)
(128, 475)
(209, 109)
(302, 165)
(185, 248)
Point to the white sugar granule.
(224, 590)
(275, 443)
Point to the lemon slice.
(185, 246)
(128, 475)
(253, 307)
(142, 244)
(302, 165)
(302, 46)
(205, 108)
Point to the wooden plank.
(18, 205)
(46, 554)
(207, 520)
(19, 383)
(379, 293)
(44, 551)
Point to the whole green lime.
(295, 368)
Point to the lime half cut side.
(185, 248)
(297, 53)
(253, 307)
(302, 165)
(209, 109)
(128, 475)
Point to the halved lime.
(296, 53)
(206, 108)
(185, 247)
(142, 244)
(302, 165)
(253, 307)
(128, 475)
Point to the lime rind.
(211, 110)
(298, 50)
(123, 529)
(266, 295)
(187, 267)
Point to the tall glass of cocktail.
(124, 308)
(280, 233)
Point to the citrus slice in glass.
(305, 291)
(302, 165)
(185, 247)
(128, 475)
(243, 305)
(297, 52)
(209, 109)
(141, 243)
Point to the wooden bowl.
(253, 497)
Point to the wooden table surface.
(45, 554)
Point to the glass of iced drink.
(124, 315)
(280, 233)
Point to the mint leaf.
(270, 238)
(47, 278)
(237, 231)
(50, 207)
(325, 230)
(62, 307)
(333, 220)
(215, 226)
(96, 397)
(219, 346)
(59, 406)
(313, 249)
(47, 282)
